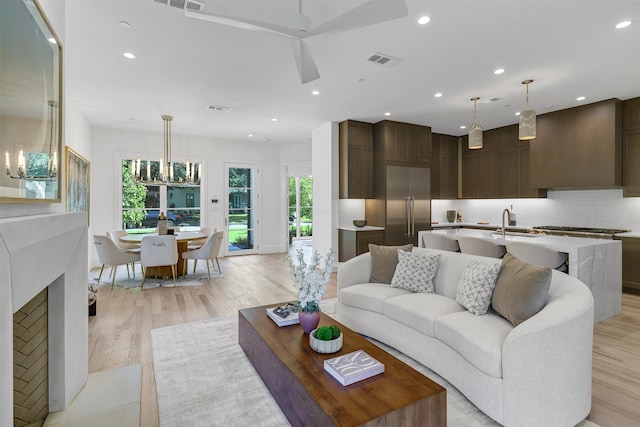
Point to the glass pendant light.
(527, 128)
(475, 130)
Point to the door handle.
(407, 201)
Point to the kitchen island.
(596, 262)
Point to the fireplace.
(45, 253)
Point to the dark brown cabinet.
(578, 147)
(630, 265)
(480, 168)
(404, 142)
(631, 148)
(353, 243)
(356, 160)
(444, 166)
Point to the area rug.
(126, 280)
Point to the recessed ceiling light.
(52, 40)
(499, 71)
(424, 20)
(250, 135)
(387, 113)
(438, 95)
(580, 98)
(274, 120)
(315, 92)
(129, 55)
(518, 113)
(463, 127)
(623, 24)
(124, 24)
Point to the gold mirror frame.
(30, 105)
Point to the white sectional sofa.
(537, 373)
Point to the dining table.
(183, 238)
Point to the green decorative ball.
(323, 333)
(335, 332)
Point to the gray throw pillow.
(383, 262)
(522, 289)
(415, 271)
(476, 287)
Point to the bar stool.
(538, 255)
(482, 247)
(438, 241)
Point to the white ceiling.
(570, 48)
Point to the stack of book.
(284, 315)
(353, 367)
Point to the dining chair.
(480, 246)
(437, 241)
(538, 255)
(198, 244)
(158, 251)
(208, 251)
(115, 235)
(110, 254)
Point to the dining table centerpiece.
(311, 281)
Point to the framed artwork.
(78, 182)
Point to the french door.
(241, 213)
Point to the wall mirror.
(30, 104)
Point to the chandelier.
(168, 172)
(52, 157)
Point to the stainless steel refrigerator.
(407, 204)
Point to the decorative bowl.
(325, 347)
(359, 222)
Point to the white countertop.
(365, 228)
(444, 225)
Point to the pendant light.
(527, 128)
(475, 130)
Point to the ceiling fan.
(369, 13)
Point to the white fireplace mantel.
(37, 252)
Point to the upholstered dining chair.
(480, 246)
(208, 251)
(158, 251)
(115, 235)
(110, 254)
(538, 255)
(198, 244)
(438, 241)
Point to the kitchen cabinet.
(578, 147)
(352, 243)
(355, 160)
(480, 168)
(404, 142)
(630, 264)
(444, 166)
(631, 148)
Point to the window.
(143, 201)
(300, 207)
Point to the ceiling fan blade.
(369, 13)
(246, 24)
(306, 66)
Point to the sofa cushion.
(476, 285)
(415, 271)
(369, 296)
(478, 339)
(383, 262)
(420, 310)
(522, 289)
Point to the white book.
(353, 367)
(291, 319)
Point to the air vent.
(382, 59)
(220, 108)
(488, 100)
(183, 4)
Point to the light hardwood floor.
(120, 334)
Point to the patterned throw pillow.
(415, 271)
(476, 285)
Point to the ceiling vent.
(382, 59)
(488, 100)
(183, 4)
(220, 108)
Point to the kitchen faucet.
(503, 228)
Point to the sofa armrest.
(356, 270)
(548, 358)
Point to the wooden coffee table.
(295, 376)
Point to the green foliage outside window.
(133, 198)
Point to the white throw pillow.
(476, 286)
(415, 271)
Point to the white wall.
(577, 208)
(324, 153)
(112, 145)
